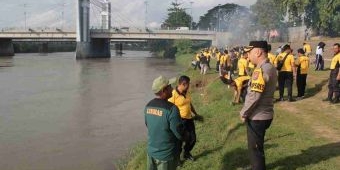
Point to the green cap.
(160, 82)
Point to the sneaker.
(280, 99)
(188, 156)
(335, 101)
(299, 98)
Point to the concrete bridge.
(95, 43)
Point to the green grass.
(303, 135)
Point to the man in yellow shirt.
(302, 65)
(218, 57)
(240, 85)
(286, 73)
(242, 65)
(307, 48)
(182, 99)
(224, 62)
(334, 77)
(271, 56)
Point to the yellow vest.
(271, 58)
(183, 104)
(335, 60)
(303, 61)
(257, 81)
(239, 81)
(287, 66)
(242, 65)
(307, 48)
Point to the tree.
(177, 17)
(267, 14)
(220, 17)
(323, 16)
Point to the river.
(59, 113)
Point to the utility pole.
(62, 16)
(146, 14)
(25, 15)
(218, 17)
(192, 18)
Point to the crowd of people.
(254, 73)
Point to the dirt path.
(317, 114)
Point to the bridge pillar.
(6, 47)
(87, 47)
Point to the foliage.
(159, 45)
(267, 14)
(184, 46)
(323, 16)
(222, 17)
(177, 17)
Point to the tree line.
(322, 16)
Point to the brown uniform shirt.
(259, 105)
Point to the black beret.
(256, 44)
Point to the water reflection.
(60, 113)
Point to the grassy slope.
(304, 134)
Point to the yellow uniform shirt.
(335, 60)
(303, 61)
(224, 59)
(198, 56)
(307, 48)
(218, 56)
(257, 81)
(251, 65)
(287, 66)
(183, 103)
(207, 54)
(271, 58)
(239, 81)
(242, 65)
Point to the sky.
(125, 13)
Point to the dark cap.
(301, 51)
(256, 44)
(286, 47)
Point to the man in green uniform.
(165, 128)
(258, 110)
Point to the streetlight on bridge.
(192, 19)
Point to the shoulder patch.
(255, 75)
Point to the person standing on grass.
(165, 129)
(286, 73)
(302, 64)
(182, 99)
(334, 76)
(258, 111)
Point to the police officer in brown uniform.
(258, 110)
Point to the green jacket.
(165, 129)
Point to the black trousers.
(189, 135)
(301, 81)
(319, 62)
(256, 130)
(217, 65)
(285, 78)
(333, 85)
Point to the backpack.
(280, 63)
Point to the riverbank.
(304, 134)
